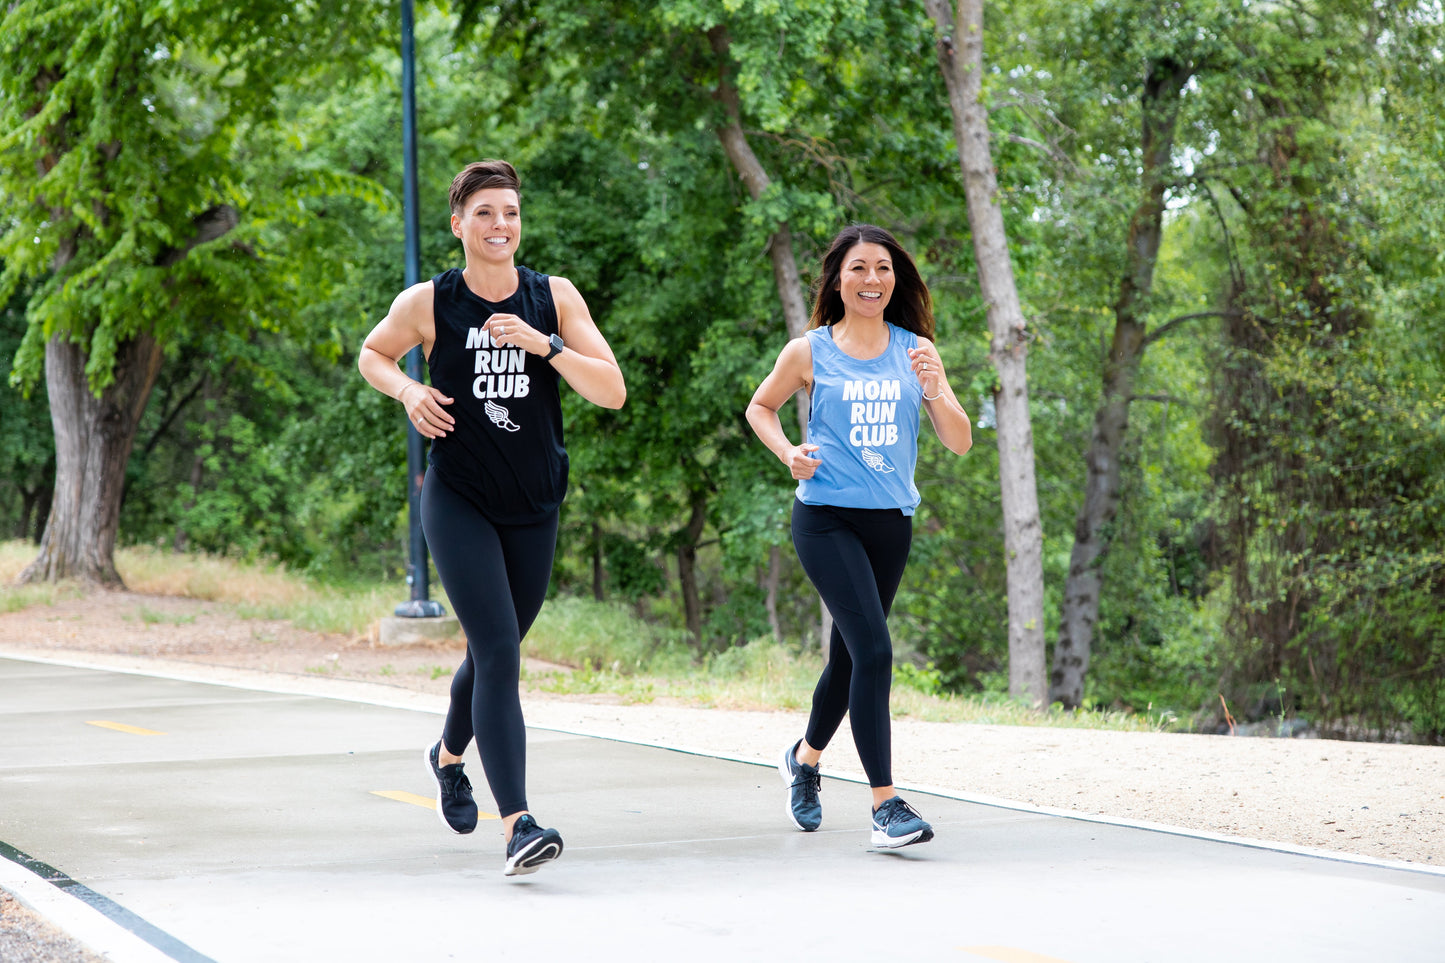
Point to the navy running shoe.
(455, 806)
(897, 824)
(531, 846)
(804, 783)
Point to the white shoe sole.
(881, 840)
(533, 857)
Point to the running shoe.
(897, 824)
(531, 846)
(804, 783)
(455, 806)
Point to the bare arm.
(793, 370)
(409, 323)
(948, 417)
(587, 362)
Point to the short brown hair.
(480, 175)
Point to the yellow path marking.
(1009, 954)
(122, 727)
(425, 802)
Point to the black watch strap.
(557, 346)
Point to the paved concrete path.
(185, 821)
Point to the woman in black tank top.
(498, 339)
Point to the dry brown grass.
(14, 556)
(252, 589)
(151, 571)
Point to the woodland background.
(218, 188)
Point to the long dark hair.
(910, 307)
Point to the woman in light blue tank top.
(866, 410)
(869, 365)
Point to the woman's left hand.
(928, 368)
(511, 331)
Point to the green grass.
(152, 617)
(618, 654)
(605, 647)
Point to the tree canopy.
(208, 195)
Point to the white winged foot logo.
(502, 418)
(875, 461)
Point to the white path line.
(365, 693)
(997, 803)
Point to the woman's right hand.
(424, 409)
(799, 462)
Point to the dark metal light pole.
(420, 606)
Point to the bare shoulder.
(415, 302)
(565, 293)
(794, 366)
(797, 354)
(410, 321)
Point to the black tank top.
(505, 454)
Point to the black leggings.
(496, 577)
(855, 559)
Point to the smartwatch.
(557, 346)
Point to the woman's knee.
(497, 660)
(463, 680)
(873, 658)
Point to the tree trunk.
(29, 498)
(35, 504)
(597, 569)
(735, 144)
(94, 433)
(687, 567)
(770, 585)
(1022, 530)
(1160, 105)
(182, 539)
(93, 438)
(780, 246)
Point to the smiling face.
(866, 281)
(490, 225)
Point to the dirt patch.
(208, 634)
(1382, 801)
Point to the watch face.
(556, 340)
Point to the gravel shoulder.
(1366, 799)
(27, 937)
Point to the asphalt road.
(158, 819)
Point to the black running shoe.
(455, 806)
(897, 824)
(531, 846)
(804, 783)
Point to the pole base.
(394, 631)
(419, 609)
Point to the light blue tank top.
(864, 420)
